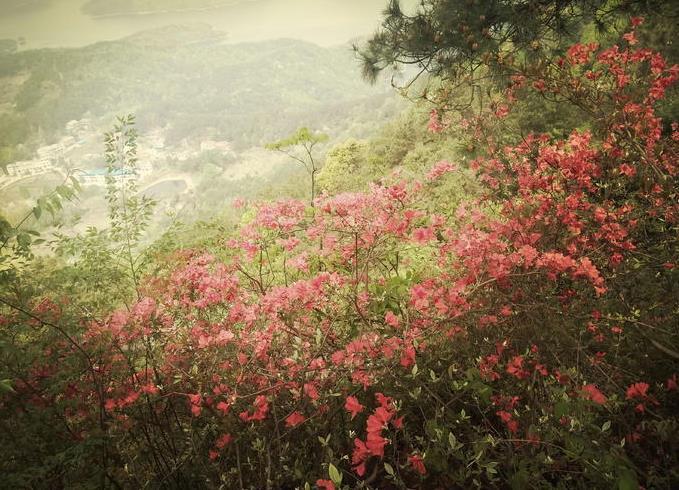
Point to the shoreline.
(144, 13)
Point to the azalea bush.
(525, 338)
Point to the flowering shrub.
(525, 337)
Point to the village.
(76, 154)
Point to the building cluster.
(51, 153)
(47, 157)
(98, 176)
(152, 152)
(26, 168)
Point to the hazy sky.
(326, 22)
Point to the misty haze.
(210, 82)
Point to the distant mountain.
(7, 6)
(186, 78)
(126, 7)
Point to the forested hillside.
(187, 86)
(483, 293)
(184, 77)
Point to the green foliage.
(402, 145)
(302, 137)
(112, 260)
(96, 269)
(439, 305)
(129, 213)
(14, 129)
(455, 38)
(300, 147)
(345, 167)
(8, 46)
(17, 241)
(47, 88)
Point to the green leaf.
(6, 386)
(64, 191)
(335, 475)
(561, 409)
(24, 240)
(627, 480)
(37, 212)
(56, 203)
(49, 208)
(76, 184)
(606, 426)
(453, 442)
(389, 469)
(491, 468)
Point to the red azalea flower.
(417, 463)
(637, 390)
(358, 457)
(223, 407)
(391, 319)
(353, 406)
(223, 441)
(325, 485)
(636, 21)
(294, 419)
(591, 392)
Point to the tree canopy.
(300, 147)
(458, 38)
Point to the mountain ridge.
(194, 79)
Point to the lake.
(324, 22)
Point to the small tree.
(299, 146)
(129, 212)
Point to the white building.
(51, 153)
(98, 175)
(29, 167)
(67, 142)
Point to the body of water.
(324, 22)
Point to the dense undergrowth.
(519, 334)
